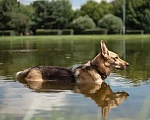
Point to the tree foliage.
(146, 21)
(96, 10)
(112, 23)
(82, 23)
(14, 16)
(7, 7)
(58, 14)
(136, 13)
(48, 17)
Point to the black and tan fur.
(94, 71)
(100, 67)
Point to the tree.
(112, 23)
(62, 15)
(6, 8)
(96, 10)
(40, 13)
(135, 11)
(24, 18)
(146, 21)
(20, 22)
(14, 16)
(48, 17)
(77, 13)
(146, 17)
(82, 23)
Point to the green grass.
(76, 37)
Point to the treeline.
(92, 17)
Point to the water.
(126, 91)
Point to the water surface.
(22, 102)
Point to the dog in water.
(93, 71)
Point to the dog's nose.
(127, 64)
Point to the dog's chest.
(84, 75)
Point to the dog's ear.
(104, 49)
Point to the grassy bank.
(77, 37)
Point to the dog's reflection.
(102, 94)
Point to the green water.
(18, 102)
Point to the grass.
(76, 37)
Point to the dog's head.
(106, 60)
(111, 59)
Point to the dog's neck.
(103, 76)
(98, 64)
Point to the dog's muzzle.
(122, 66)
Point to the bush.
(134, 31)
(112, 23)
(7, 33)
(82, 23)
(94, 31)
(67, 32)
(48, 32)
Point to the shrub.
(48, 32)
(94, 31)
(7, 33)
(67, 32)
(112, 23)
(82, 23)
(134, 31)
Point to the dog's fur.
(94, 71)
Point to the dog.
(94, 71)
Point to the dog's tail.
(21, 75)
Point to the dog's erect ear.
(104, 49)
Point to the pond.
(128, 89)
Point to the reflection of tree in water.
(64, 53)
(101, 94)
(6, 58)
(137, 55)
(26, 53)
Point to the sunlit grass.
(76, 37)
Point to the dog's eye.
(113, 58)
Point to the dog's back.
(51, 73)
